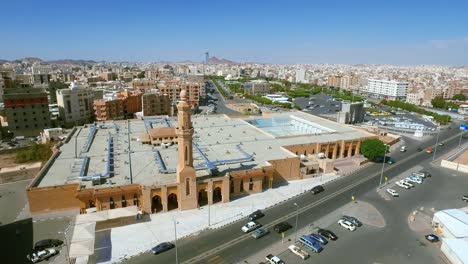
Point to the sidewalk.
(120, 243)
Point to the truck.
(299, 252)
(274, 259)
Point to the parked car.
(419, 149)
(42, 255)
(392, 192)
(422, 174)
(281, 227)
(256, 215)
(311, 243)
(317, 189)
(273, 259)
(47, 243)
(402, 184)
(250, 226)
(403, 149)
(429, 150)
(441, 143)
(465, 198)
(414, 179)
(328, 234)
(432, 238)
(261, 232)
(347, 225)
(352, 219)
(319, 238)
(163, 247)
(298, 252)
(409, 184)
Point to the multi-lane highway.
(230, 245)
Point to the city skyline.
(297, 33)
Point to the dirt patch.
(7, 160)
(366, 213)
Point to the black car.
(165, 246)
(465, 198)
(317, 189)
(419, 149)
(281, 227)
(328, 234)
(47, 243)
(256, 215)
(352, 220)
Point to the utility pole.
(297, 216)
(383, 164)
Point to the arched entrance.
(156, 204)
(172, 202)
(202, 197)
(217, 195)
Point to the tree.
(459, 97)
(141, 75)
(438, 102)
(372, 148)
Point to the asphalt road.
(230, 245)
(221, 107)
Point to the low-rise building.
(257, 88)
(125, 105)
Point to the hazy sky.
(289, 31)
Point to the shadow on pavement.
(16, 241)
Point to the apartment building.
(257, 88)
(124, 106)
(40, 75)
(334, 80)
(173, 89)
(144, 85)
(155, 104)
(387, 89)
(27, 110)
(75, 105)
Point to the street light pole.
(297, 217)
(175, 241)
(437, 143)
(383, 164)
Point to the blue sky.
(314, 31)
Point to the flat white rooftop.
(218, 139)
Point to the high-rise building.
(155, 104)
(75, 105)
(300, 75)
(27, 110)
(386, 89)
(334, 81)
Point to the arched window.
(135, 200)
(111, 203)
(124, 201)
(242, 185)
(250, 184)
(186, 155)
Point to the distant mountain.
(214, 60)
(70, 61)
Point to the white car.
(392, 192)
(403, 149)
(42, 255)
(299, 252)
(402, 184)
(250, 226)
(415, 180)
(407, 183)
(346, 224)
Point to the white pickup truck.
(298, 251)
(274, 259)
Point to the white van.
(403, 149)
